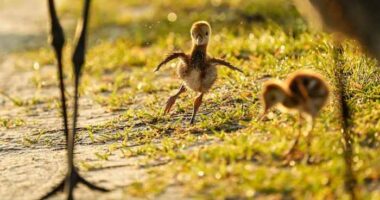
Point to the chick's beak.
(198, 39)
(262, 116)
(264, 113)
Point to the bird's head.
(273, 93)
(200, 33)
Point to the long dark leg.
(72, 177)
(57, 40)
(197, 103)
(78, 60)
(173, 98)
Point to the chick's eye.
(206, 33)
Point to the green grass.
(11, 122)
(229, 152)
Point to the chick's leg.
(172, 99)
(309, 139)
(197, 104)
(295, 144)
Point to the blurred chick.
(304, 91)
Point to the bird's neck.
(284, 96)
(198, 55)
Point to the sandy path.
(20, 24)
(28, 172)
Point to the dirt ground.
(28, 172)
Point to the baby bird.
(303, 91)
(197, 69)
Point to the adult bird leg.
(78, 60)
(72, 177)
(224, 63)
(173, 98)
(171, 57)
(57, 41)
(197, 103)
